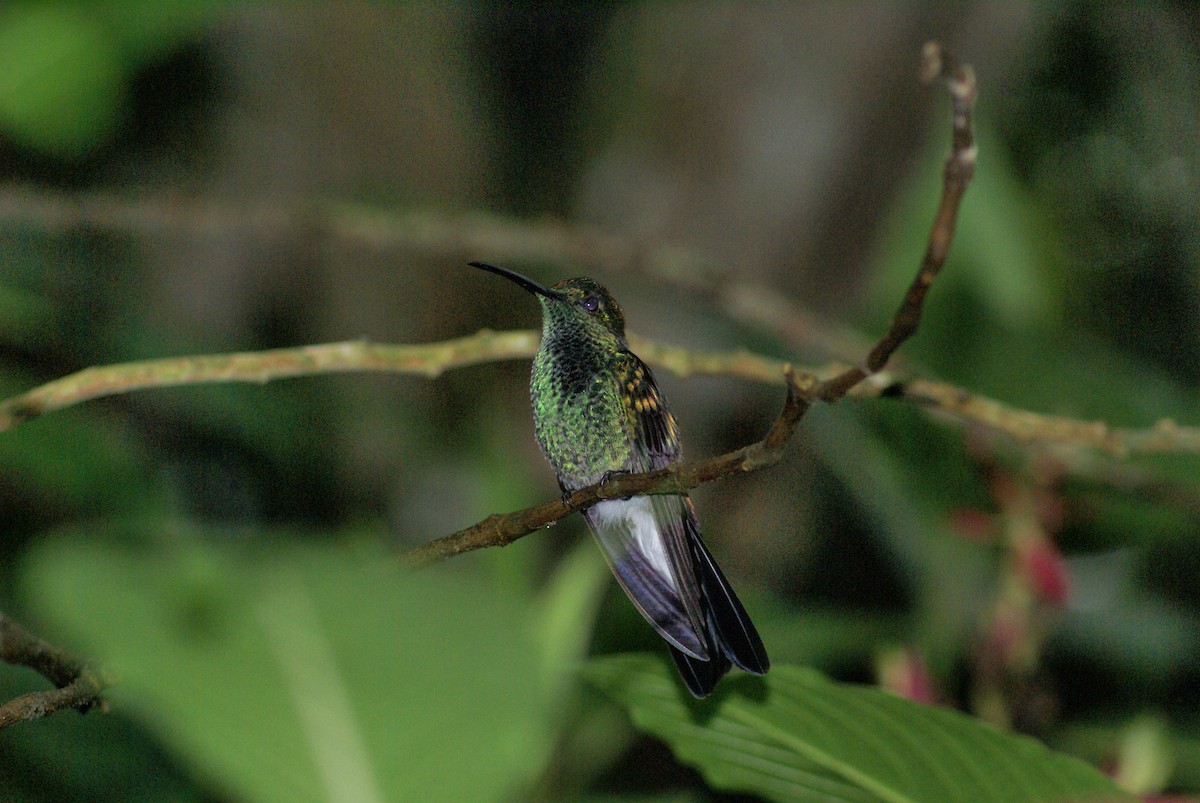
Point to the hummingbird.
(598, 412)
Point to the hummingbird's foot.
(608, 475)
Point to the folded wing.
(654, 547)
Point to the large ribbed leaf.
(309, 672)
(795, 735)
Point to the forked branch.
(503, 529)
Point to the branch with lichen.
(429, 360)
(76, 685)
(434, 359)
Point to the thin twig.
(429, 360)
(76, 684)
(956, 176)
(1164, 437)
(445, 235)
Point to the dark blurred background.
(1048, 589)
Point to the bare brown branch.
(451, 236)
(426, 359)
(433, 359)
(76, 685)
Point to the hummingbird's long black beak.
(523, 281)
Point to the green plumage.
(587, 389)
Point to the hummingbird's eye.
(590, 303)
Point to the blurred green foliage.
(221, 551)
(315, 672)
(65, 68)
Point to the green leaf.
(65, 67)
(304, 672)
(1000, 247)
(795, 735)
(61, 79)
(98, 470)
(570, 600)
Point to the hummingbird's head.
(589, 306)
(573, 304)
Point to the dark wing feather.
(739, 640)
(645, 538)
(658, 445)
(700, 677)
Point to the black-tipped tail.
(700, 677)
(728, 621)
(731, 638)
